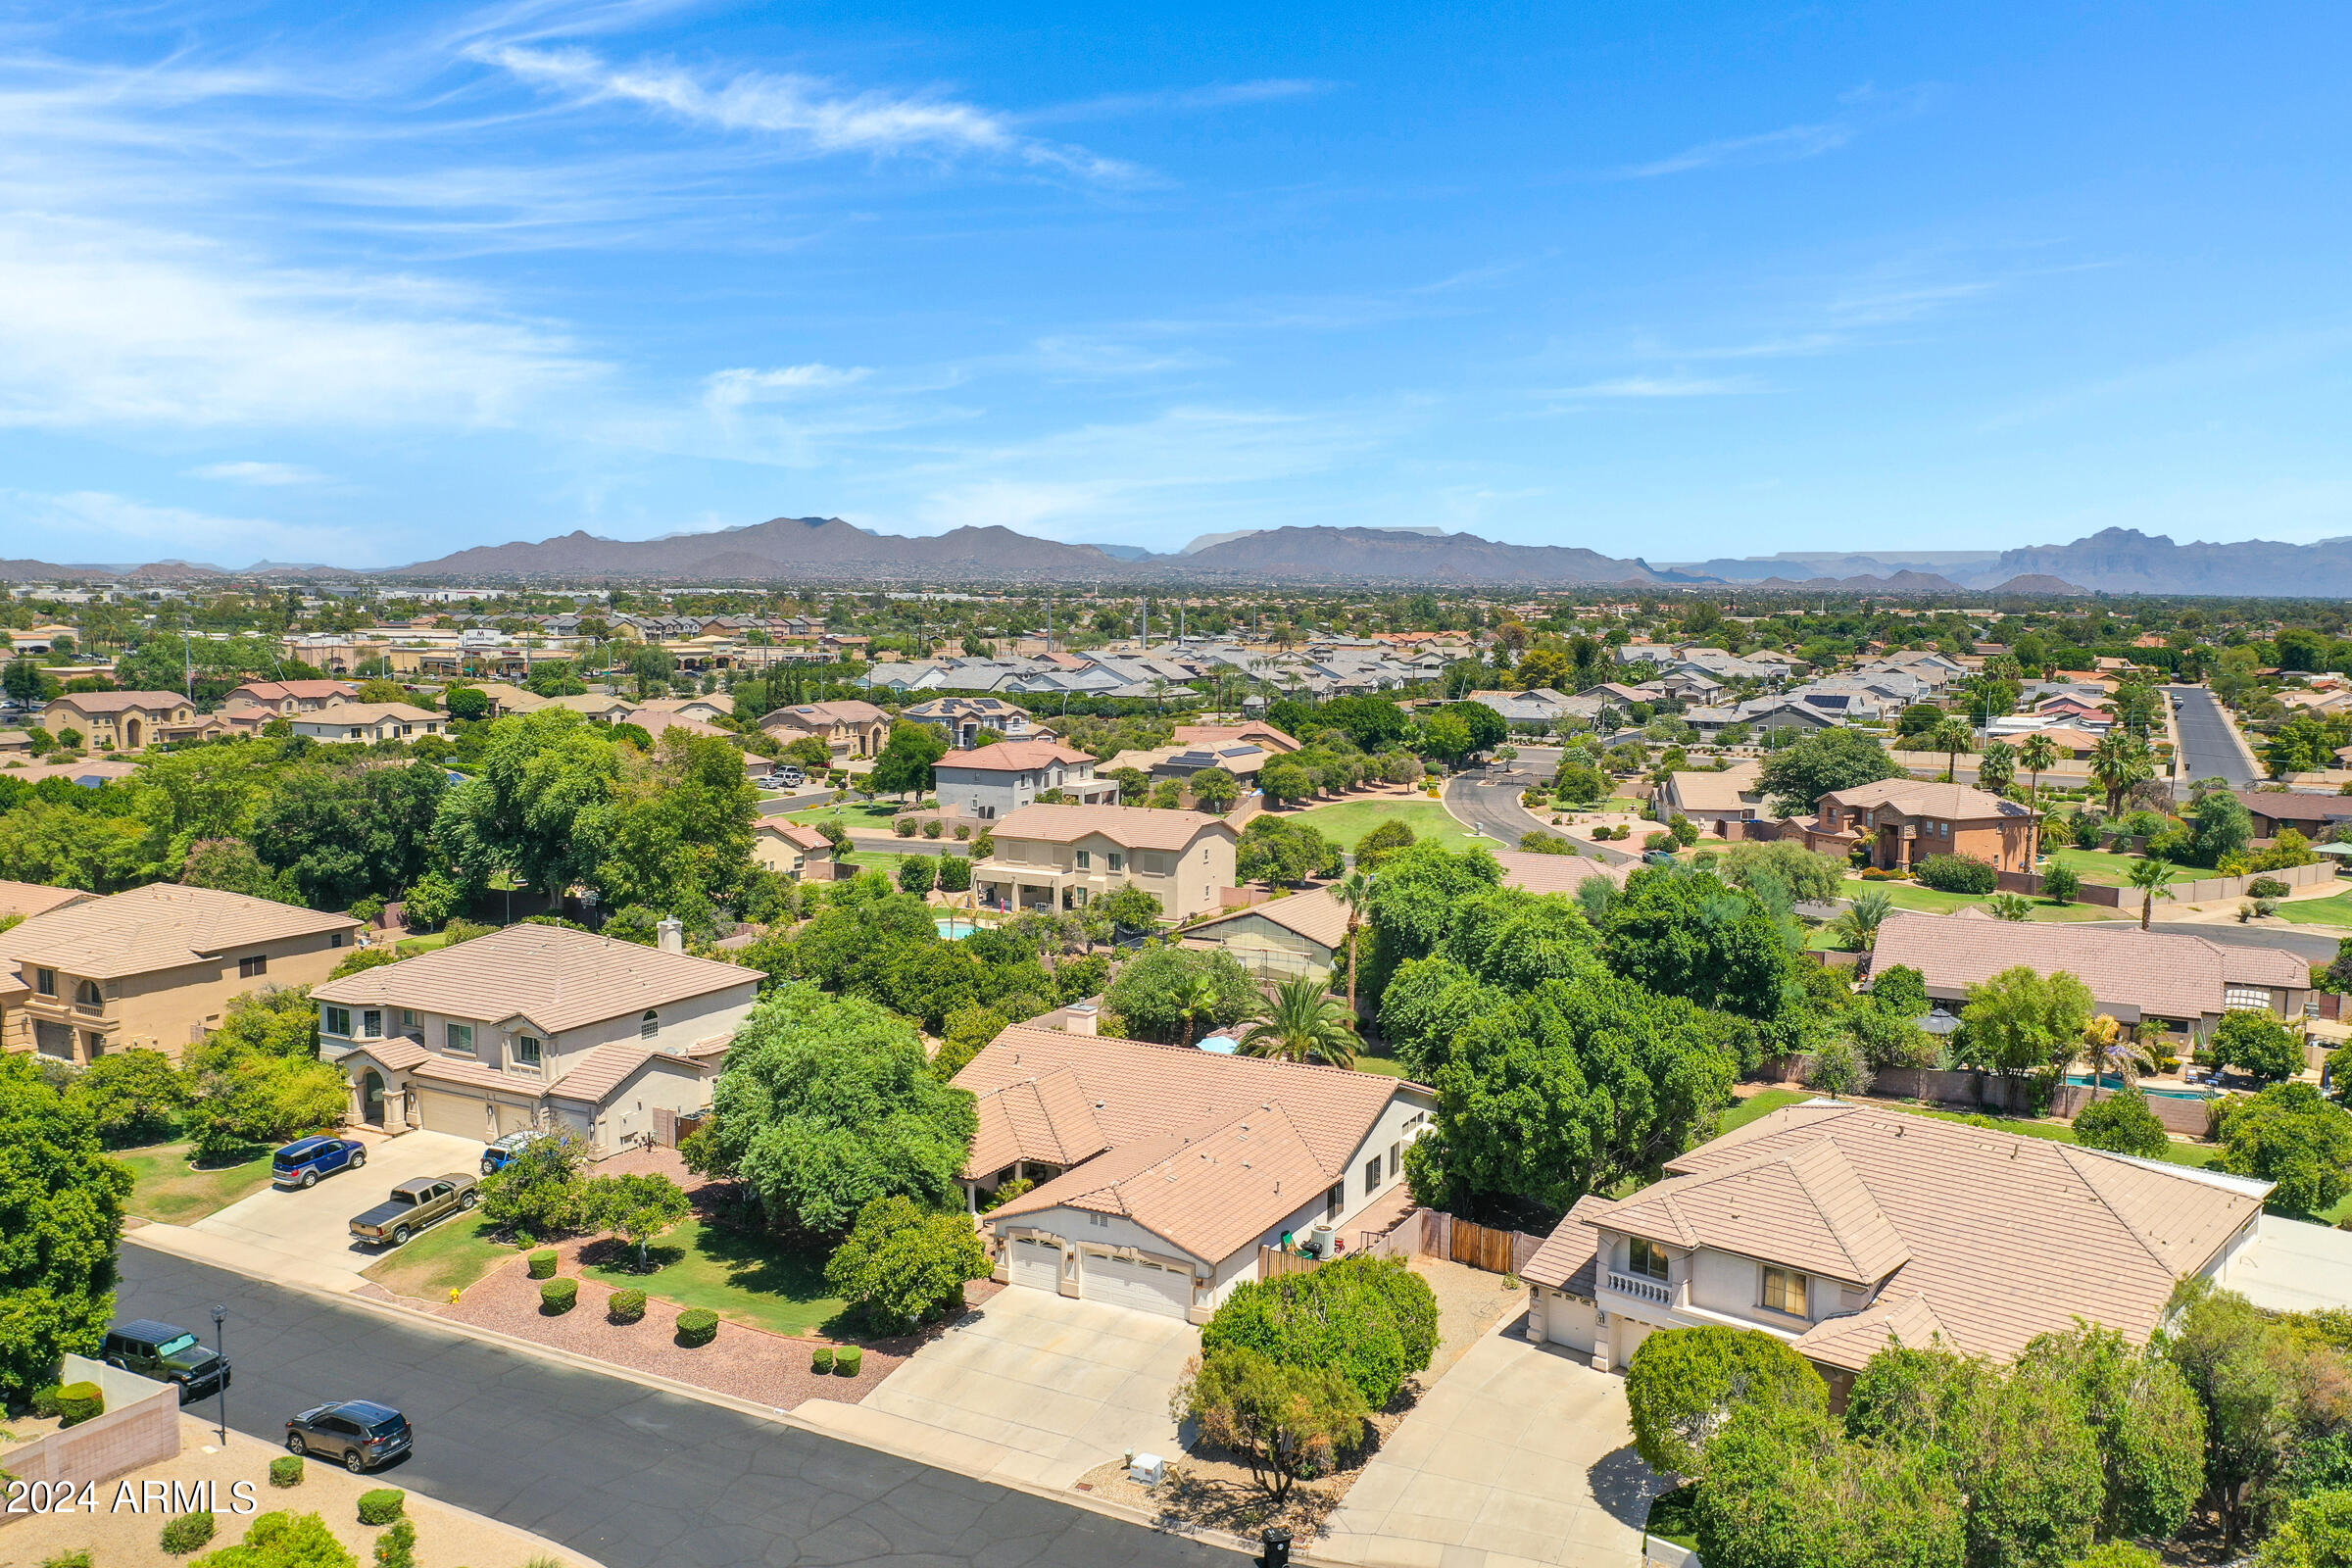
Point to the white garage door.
(450, 1113)
(515, 1118)
(1037, 1264)
(1145, 1286)
(1571, 1322)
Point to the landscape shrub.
(903, 827)
(954, 873)
(2267, 887)
(380, 1506)
(77, 1402)
(848, 1359)
(1371, 1319)
(560, 1296)
(625, 1306)
(2122, 1124)
(286, 1471)
(71, 1557)
(697, 1326)
(1958, 874)
(543, 1264)
(820, 1359)
(395, 1547)
(932, 828)
(188, 1532)
(44, 1402)
(2060, 885)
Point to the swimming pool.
(954, 927)
(2152, 1091)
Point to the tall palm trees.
(1301, 1022)
(2150, 876)
(1355, 891)
(1951, 735)
(2119, 761)
(2036, 754)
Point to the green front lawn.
(410, 947)
(2097, 865)
(1346, 821)
(2335, 910)
(1763, 1103)
(166, 1189)
(856, 816)
(448, 1257)
(742, 1277)
(882, 860)
(1912, 895)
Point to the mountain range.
(827, 550)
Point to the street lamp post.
(220, 1349)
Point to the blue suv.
(302, 1162)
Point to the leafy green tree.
(1796, 776)
(908, 759)
(1566, 1090)
(901, 1265)
(965, 1032)
(2317, 1533)
(544, 780)
(808, 754)
(2060, 885)
(232, 866)
(1579, 783)
(2289, 1134)
(674, 832)
(1283, 1421)
(2021, 1022)
(917, 873)
(2258, 1043)
(1280, 849)
(132, 1097)
(2224, 826)
(1129, 908)
(1786, 1489)
(1381, 842)
(1373, 1320)
(1373, 723)
(1214, 790)
(1169, 994)
(2122, 1123)
(1414, 900)
(61, 1218)
(1427, 1003)
(826, 1103)
(1301, 1022)
(1804, 876)
(2242, 1370)
(1683, 1385)
(2036, 1488)
(1686, 934)
(2144, 1421)
(636, 1207)
(537, 1193)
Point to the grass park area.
(2096, 865)
(1349, 821)
(2335, 910)
(164, 1188)
(1912, 895)
(740, 1276)
(856, 817)
(448, 1257)
(410, 947)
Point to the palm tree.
(2010, 907)
(1301, 1022)
(1355, 891)
(1197, 997)
(2111, 1047)
(2119, 761)
(1858, 927)
(2150, 876)
(1951, 736)
(2036, 755)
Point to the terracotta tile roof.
(1807, 1198)
(1133, 827)
(1013, 756)
(472, 1075)
(160, 926)
(366, 713)
(1559, 874)
(606, 1068)
(30, 899)
(1904, 1317)
(1569, 1258)
(1917, 797)
(556, 977)
(2144, 972)
(1221, 734)
(1735, 788)
(1046, 1119)
(123, 701)
(1318, 916)
(2281, 806)
(1211, 1190)
(797, 834)
(2002, 1236)
(399, 1053)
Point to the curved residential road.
(2209, 745)
(631, 1477)
(1489, 802)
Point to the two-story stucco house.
(850, 729)
(990, 782)
(155, 967)
(1841, 1228)
(127, 722)
(1902, 822)
(286, 698)
(1162, 1169)
(348, 722)
(967, 718)
(536, 1026)
(1066, 856)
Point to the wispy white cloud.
(726, 392)
(805, 113)
(1787, 145)
(1181, 100)
(269, 475)
(104, 526)
(1660, 386)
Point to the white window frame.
(2246, 998)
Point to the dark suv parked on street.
(361, 1434)
(167, 1353)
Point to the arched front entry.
(134, 733)
(371, 1098)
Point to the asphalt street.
(2208, 749)
(632, 1477)
(2312, 943)
(1490, 802)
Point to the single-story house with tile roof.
(1840, 1229)
(1162, 1169)
(366, 722)
(1531, 872)
(1303, 933)
(536, 1026)
(1713, 800)
(2311, 815)
(792, 849)
(2182, 982)
(156, 966)
(1265, 736)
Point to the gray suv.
(360, 1433)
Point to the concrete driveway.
(1520, 1455)
(1032, 1386)
(306, 1235)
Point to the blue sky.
(367, 285)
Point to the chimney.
(672, 935)
(1080, 1018)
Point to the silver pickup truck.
(413, 1205)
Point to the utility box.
(1146, 1469)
